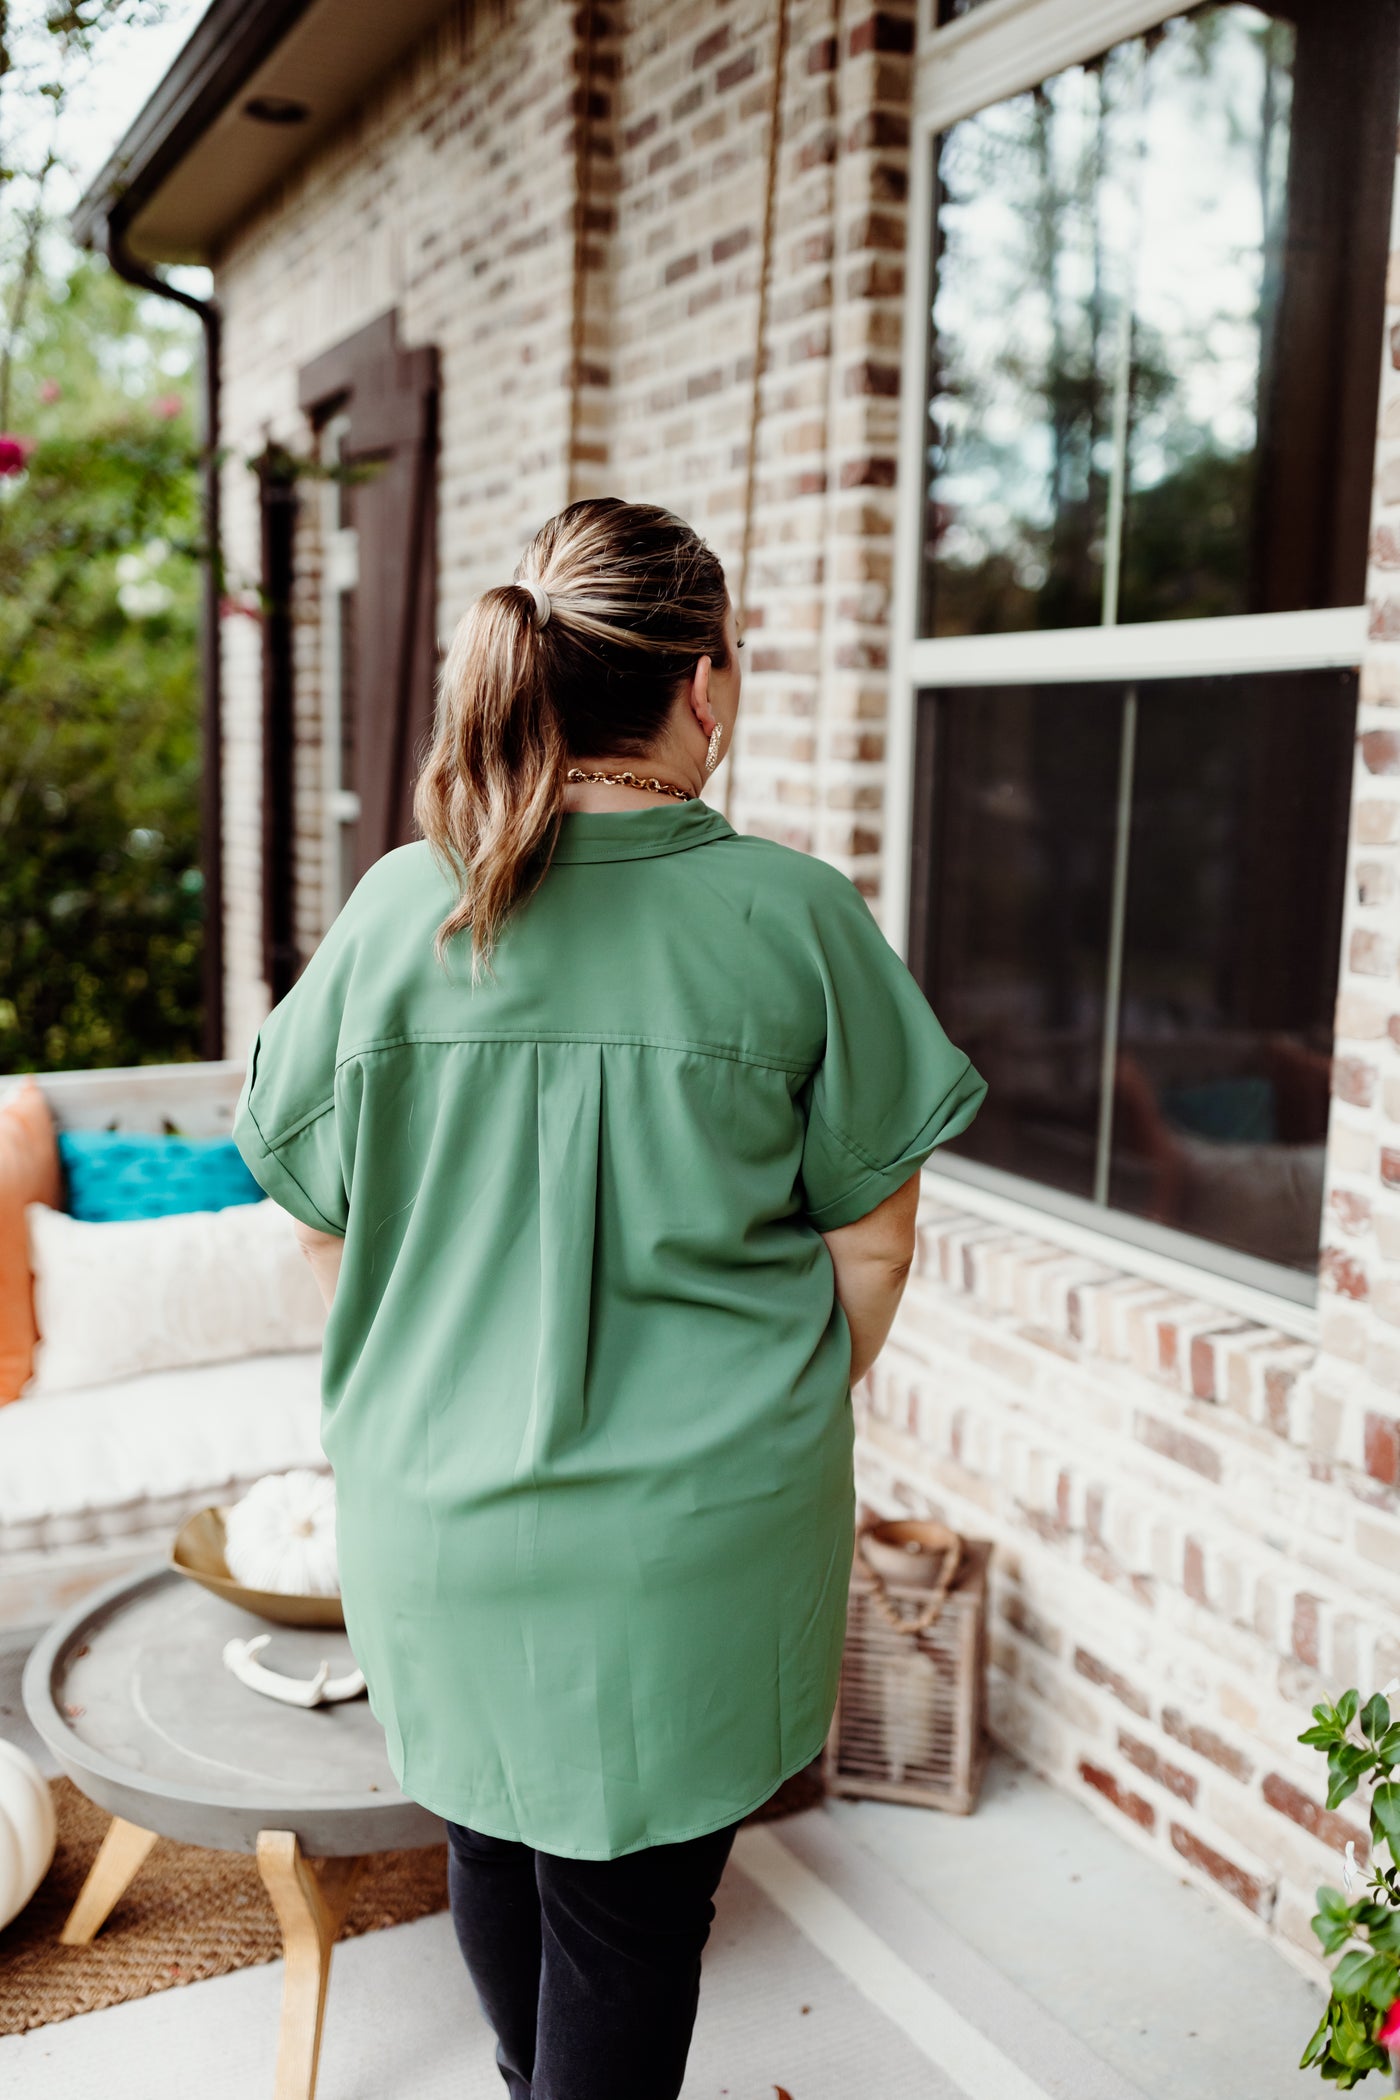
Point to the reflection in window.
(1158, 286)
(1116, 923)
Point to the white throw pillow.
(156, 1294)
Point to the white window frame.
(1001, 49)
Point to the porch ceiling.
(196, 161)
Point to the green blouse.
(585, 1380)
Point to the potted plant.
(1359, 2031)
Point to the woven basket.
(909, 1718)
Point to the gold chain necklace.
(631, 780)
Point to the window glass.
(1158, 284)
(1022, 876)
(1178, 1067)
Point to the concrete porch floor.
(860, 1950)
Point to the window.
(1155, 300)
(1132, 947)
(1144, 334)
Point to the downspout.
(211, 678)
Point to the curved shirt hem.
(673, 1837)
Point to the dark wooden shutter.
(390, 396)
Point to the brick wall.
(1178, 1574)
(1196, 1516)
(692, 122)
(451, 198)
(454, 196)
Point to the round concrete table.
(130, 1693)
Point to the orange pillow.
(29, 1173)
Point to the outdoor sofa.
(95, 1482)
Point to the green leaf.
(1375, 1715)
(1347, 1707)
(1349, 1976)
(1352, 2049)
(1347, 1764)
(1385, 1812)
(1325, 1713)
(1317, 2042)
(1387, 1936)
(1388, 1748)
(1332, 1932)
(1316, 1737)
(1363, 1976)
(1382, 1986)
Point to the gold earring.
(712, 755)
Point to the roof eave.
(229, 44)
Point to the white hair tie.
(541, 597)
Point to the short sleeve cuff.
(276, 1179)
(873, 1184)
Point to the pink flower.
(1389, 2035)
(50, 391)
(14, 451)
(168, 406)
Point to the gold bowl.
(198, 1552)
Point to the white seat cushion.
(111, 1459)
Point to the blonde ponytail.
(489, 795)
(613, 605)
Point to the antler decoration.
(321, 1690)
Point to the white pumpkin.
(281, 1536)
(28, 1832)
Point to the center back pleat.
(569, 1117)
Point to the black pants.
(587, 1969)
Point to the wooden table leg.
(310, 1901)
(118, 1858)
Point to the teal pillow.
(111, 1175)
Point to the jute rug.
(190, 1914)
(187, 1915)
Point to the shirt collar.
(639, 834)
